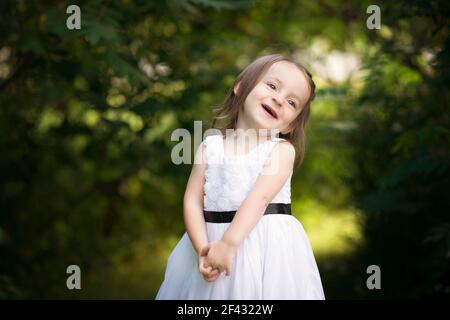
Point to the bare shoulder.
(286, 150)
(282, 155)
(287, 146)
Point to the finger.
(214, 273)
(206, 268)
(209, 277)
(203, 270)
(212, 278)
(211, 265)
(201, 265)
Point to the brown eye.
(271, 85)
(292, 103)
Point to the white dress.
(275, 261)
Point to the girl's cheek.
(261, 90)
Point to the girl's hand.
(209, 273)
(220, 255)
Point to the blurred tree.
(404, 158)
(86, 117)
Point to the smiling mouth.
(269, 111)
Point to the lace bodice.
(229, 178)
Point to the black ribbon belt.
(227, 216)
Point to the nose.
(276, 97)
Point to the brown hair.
(247, 80)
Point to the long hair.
(228, 112)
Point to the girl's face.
(276, 100)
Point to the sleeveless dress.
(275, 261)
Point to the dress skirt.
(274, 262)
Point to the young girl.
(242, 241)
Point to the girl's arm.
(193, 203)
(272, 178)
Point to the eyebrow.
(273, 77)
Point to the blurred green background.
(86, 117)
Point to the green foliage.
(86, 117)
(405, 162)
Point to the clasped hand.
(216, 258)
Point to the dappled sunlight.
(330, 231)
